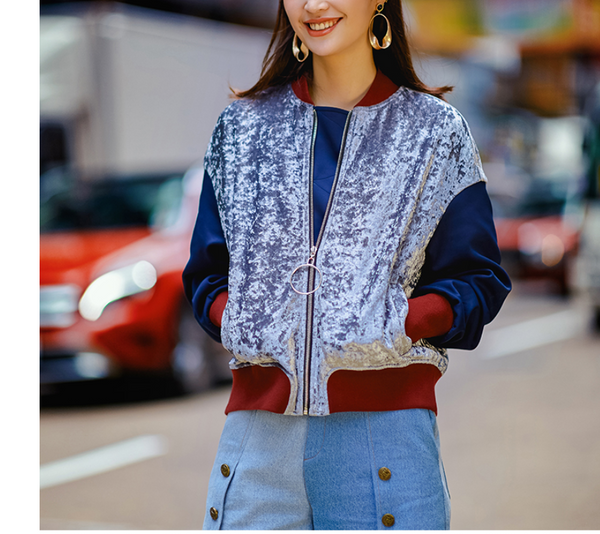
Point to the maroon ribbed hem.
(259, 388)
(384, 390)
(268, 388)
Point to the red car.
(111, 296)
(538, 233)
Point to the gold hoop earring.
(297, 50)
(387, 38)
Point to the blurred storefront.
(546, 52)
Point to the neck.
(343, 80)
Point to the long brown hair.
(280, 67)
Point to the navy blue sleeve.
(206, 273)
(463, 265)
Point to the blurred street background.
(133, 391)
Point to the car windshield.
(542, 198)
(146, 201)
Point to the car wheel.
(596, 319)
(190, 361)
(564, 290)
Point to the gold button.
(385, 473)
(215, 514)
(225, 471)
(388, 520)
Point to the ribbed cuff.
(217, 308)
(428, 316)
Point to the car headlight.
(529, 239)
(548, 249)
(553, 250)
(116, 285)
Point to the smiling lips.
(320, 27)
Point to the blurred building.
(546, 52)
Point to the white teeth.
(322, 25)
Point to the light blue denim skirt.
(345, 471)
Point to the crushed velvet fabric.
(404, 161)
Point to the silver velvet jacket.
(401, 163)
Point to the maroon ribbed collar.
(381, 88)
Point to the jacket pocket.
(395, 320)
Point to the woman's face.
(331, 27)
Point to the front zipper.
(314, 248)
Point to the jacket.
(401, 164)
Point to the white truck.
(127, 90)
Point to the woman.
(344, 241)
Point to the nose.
(314, 6)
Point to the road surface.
(518, 419)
